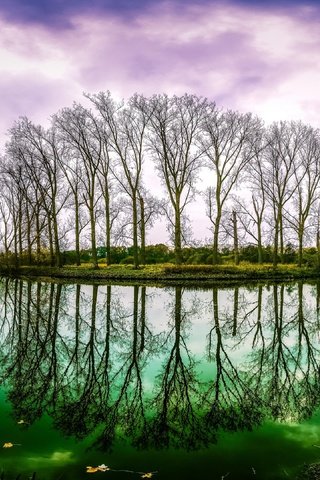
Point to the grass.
(168, 273)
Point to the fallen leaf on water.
(103, 468)
(92, 469)
(7, 445)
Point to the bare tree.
(126, 127)
(251, 214)
(229, 141)
(80, 128)
(72, 168)
(27, 209)
(282, 161)
(37, 152)
(306, 183)
(175, 125)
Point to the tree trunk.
(177, 235)
(15, 242)
(300, 245)
(215, 252)
(260, 252)
(38, 234)
(77, 229)
(281, 237)
(276, 243)
(142, 233)
(108, 227)
(20, 230)
(135, 231)
(29, 245)
(235, 238)
(93, 232)
(51, 248)
(58, 261)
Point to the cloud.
(243, 58)
(57, 13)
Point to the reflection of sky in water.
(43, 447)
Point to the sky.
(262, 57)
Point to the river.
(163, 383)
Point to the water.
(180, 383)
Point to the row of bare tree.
(86, 175)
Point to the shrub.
(127, 261)
(69, 257)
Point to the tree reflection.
(94, 360)
(33, 368)
(177, 420)
(231, 403)
(127, 407)
(284, 366)
(80, 406)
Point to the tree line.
(81, 182)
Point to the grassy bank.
(168, 273)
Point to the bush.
(290, 255)
(127, 261)
(249, 254)
(159, 253)
(209, 259)
(310, 259)
(69, 257)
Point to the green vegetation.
(161, 253)
(160, 266)
(167, 273)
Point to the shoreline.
(193, 275)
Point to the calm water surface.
(217, 383)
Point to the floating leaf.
(7, 445)
(103, 468)
(92, 469)
(147, 475)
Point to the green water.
(220, 383)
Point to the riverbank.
(167, 273)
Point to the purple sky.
(252, 56)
